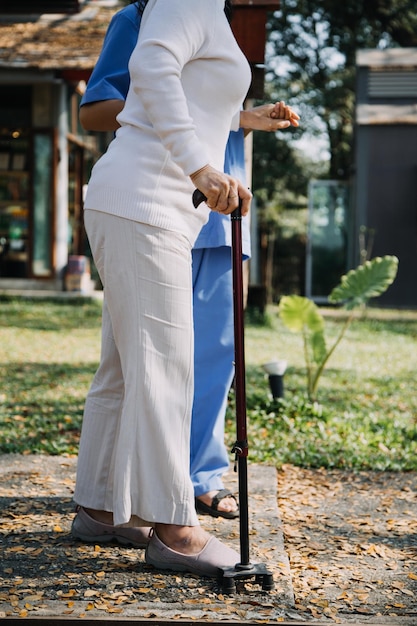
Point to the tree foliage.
(277, 169)
(312, 53)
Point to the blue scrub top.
(110, 80)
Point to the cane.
(245, 569)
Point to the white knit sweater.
(188, 81)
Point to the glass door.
(14, 203)
(328, 242)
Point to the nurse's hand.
(269, 117)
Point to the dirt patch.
(351, 539)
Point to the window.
(400, 83)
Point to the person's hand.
(282, 111)
(221, 190)
(269, 117)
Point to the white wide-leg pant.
(138, 464)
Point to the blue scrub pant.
(213, 365)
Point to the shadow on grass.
(42, 407)
(50, 315)
(31, 375)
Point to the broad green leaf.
(298, 312)
(366, 281)
(318, 344)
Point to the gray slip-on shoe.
(88, 529)
(212, 558)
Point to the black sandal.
(206, 509)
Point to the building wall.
(385, 190)
(387, 202)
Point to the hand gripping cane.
(243, 570)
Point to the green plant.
(299, 314)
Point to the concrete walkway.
(46, 576)
(46, 573)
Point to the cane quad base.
(257, 572)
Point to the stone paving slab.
(45, 573)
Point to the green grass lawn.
(365, 416)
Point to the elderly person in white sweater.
(188, 81)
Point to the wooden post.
(249, 28)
